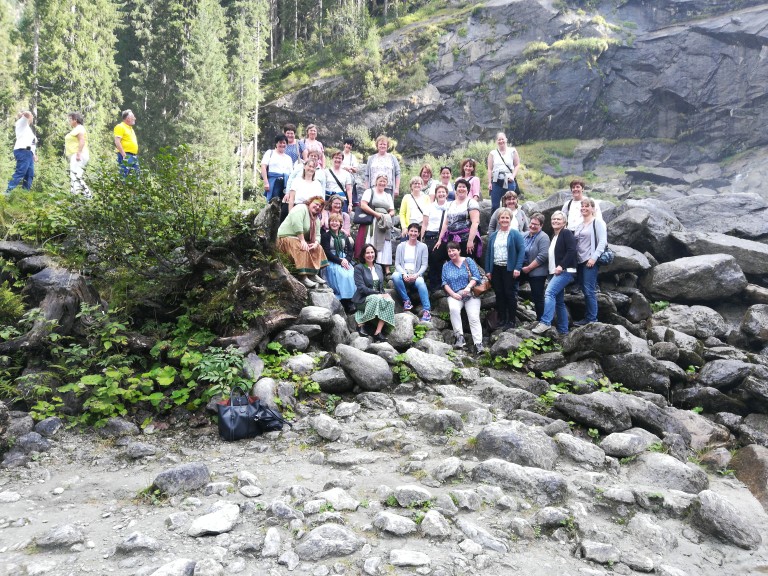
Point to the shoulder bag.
(479, 288)
(360, 217)
(608, 255)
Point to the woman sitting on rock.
(370, 299)
(462, 220)
(299, 237)
(340, 272)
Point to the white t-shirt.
(573, 212)
(552, 264)
(277, 163)
(409, 258)
(499, 160)
(306, 189)
(435, 213)
(343, 176)
(25, 137)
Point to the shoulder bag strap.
(502, 159)
(337, 180)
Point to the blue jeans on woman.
(588, 281)
(25, 170)
(554, 301)
(421, 286)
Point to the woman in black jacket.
(562, 266)
(370, 299)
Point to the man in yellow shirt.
(127, 145)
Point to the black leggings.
(505, 286)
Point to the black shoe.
(581, 322)
(380, 337)
(362, 332)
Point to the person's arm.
(515, 164)
(474, 219)
(264, 165)
(443, 230)
(396, 164)
(80, 144)
(494, 221)
(405, 208)
(360, 283)
(291, 199)
(348, 188)
(520, 248)
(400, 258)
(598, 212)
(446, 285)
(489, 165)
(424, 224)
(489, 255)
(119, 143)
(476, 276)
(571, 249)
(368, 173)
(601, 241)
(421, 258)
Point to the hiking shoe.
(407, 305)
(308, 283)
(541, 328)
(317, 279)
(479, 348)
(582, 322)
(460, 343)
(426, 316)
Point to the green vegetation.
(527, 348)
(659, 305)
(402, 372)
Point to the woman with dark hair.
(339, 273)
(378, 203)
(76, 151)
(292, 145)
(445, 180)
(276, 168)
(468, 171)
(431, 225)
(427, 182)
(299, 237)
(535, 265)
(563, 251)
(519, 219)
(462, 220)
(503, 263)
(460, 275)
(370, 299)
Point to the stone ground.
(380, 460)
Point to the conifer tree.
(9, 96)
(69, 64)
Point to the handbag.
(608, 255)
(362, 218)
(479, 288)
(243, 416)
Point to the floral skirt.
(376, 306)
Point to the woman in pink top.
(468, 171)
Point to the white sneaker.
(460, 343)
(541, 328)
(479, 348)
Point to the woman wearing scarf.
(340, 272)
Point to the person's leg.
(496, 193)
(472, 306)
(537, 294)
(511, 284)
(23, 159)
(421, 287)
(379, 327)
(589, 287)
(557, 284)
(561, 311)
(30, 174)
(454, 307)
(397, 280)
(497, 283)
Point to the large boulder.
(603, 339)
(750, 465)
(724, 374)
(663, 471)
(751, 256)
(714, 515)
(543, 487)
(596, 410)
(754, 325)
(742, 215)
(368, 371)
(647, 226)
(637, 371)
(518, 443)
(695, 279)
(429, 367)
(697, 321)
(626, 259)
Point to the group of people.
(75, 149)
(440, 244)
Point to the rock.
(398, 557)
(581, 374)
(695, 279)
(596, 410)
(333, 380)
(16, 250)
(434, 525)
(253, 366)
(502, 397)
(750, 464)
(326, 427)
(178, 567)
(292, 340)
(599, 552)
(401, 336)
(222, 519)
(31, 442)
(715, 515)
(137, 450)
(336, 333)
(579, 450)
(626, 259)
(724, 374)
(481, 536)
(136, 542)
(60, 537)
(346, 409)
(272, 542)
(466, 499)
(410, 495)
(701, 431)
(752, 257)
(209, 567)
(184, 478)
(663, 471)
(8, 497)
(328, 540)
(429, 367)
(623, 445)
(176, 520)
(447, 469)
(518, 443)
(280, 509)
(301, 364)
(507, 342)
(394, 523)
(314, 315)
(647, 226)
(541, 486)
(655, 537)
(755, 323)
(603, 339)
(637, 371)
(368, 371)
(697, 321)
(339, 499)
(48, 427)
(748, 214)
(441, 421)
(117, 427)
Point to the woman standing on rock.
(592, 239)
(459, 276)
(535, 263)
(370, 299)
(427, 182)
(562, 267)
(445, 180)
(312, 144)
(304, 188)
(468, 172)
(383, 163)
(503, 164)
(340, 272)
(379, 204)
(299, 237)
(462, 220)
(413, 206)
(503, 264)
(519, 219)
(431, 225)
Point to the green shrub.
(11, 305)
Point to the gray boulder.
(441, 421)
(626, 260)
(647, 226)
(603, 339)
(596, 410)
(724, 374)
(292, 340)
(518, 443)
(333, 380)
(394, 523)
(221, 519)
(541, 486)
(695, 279)
(328, 540)
(368, 371)
(429, 367)
(326, 427)
(755, 322)
(750, 465)
(314, 315)
(581, 451)
(624, 444)
(60, 537)
(637, 371)
(184, 478)
(697, 321)
(336, 333)
(751, 256)
(747, 214)
(715, 515)
(401, 336)
(663, 471)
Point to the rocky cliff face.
(692, 74)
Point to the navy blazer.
(566, 250)
(364, 284)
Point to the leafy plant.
(659, 305)
(401, 371)
(527, 348)
(419, 331)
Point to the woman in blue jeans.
(563, 252)
(591, 238)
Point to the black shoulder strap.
(337, 180)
